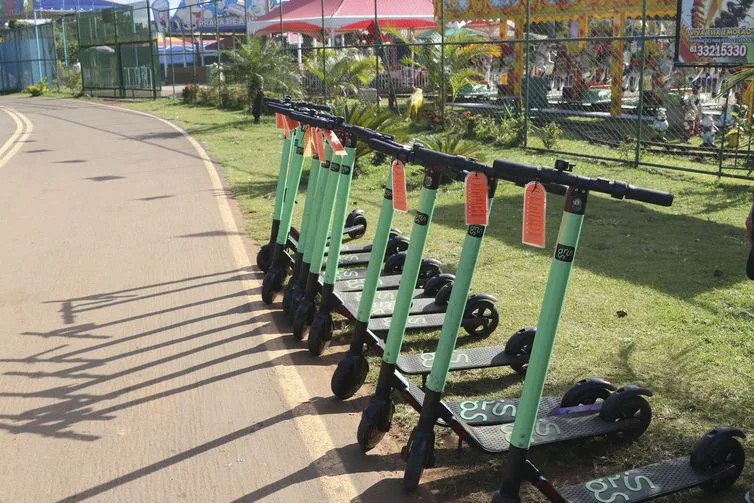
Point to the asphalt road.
(137, 361)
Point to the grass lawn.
(677, 272)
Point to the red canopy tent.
(340, 16)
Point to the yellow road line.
(21, 140)
(12, 138)
(24, 128)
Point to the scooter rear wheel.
(485, 315)
(435, 283)
(520, 344)
(357, 217)
(632, 407)
(724, 451)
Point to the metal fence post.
(153, 44)
(377, 45)
(194, 50)
(526, 73)
(39, 49)
(642, 65)
(722, 137)
(118, 59)
(324, 52)
(442, 63)
(217, 58)
(65, 42)
(78, 39)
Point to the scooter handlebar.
(287, 102)
(619, 190)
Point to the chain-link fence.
(580, 78)
(118, 52)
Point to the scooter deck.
(355, 282)
(348, 248)
(384, 303)
(548, 430)
(484, 412)
(349, 259)
(462, 359)
(414, 322)
(642, 484)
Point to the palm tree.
(464, 54)
(342, 71)
(368, 116)
(262, 66)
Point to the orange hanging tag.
(477, 191)
(308, 142)
(279, 120)
(535, 211)
(286, 127)
(319, 144)
(336, 145)
(400, 199)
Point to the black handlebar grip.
(650, 196)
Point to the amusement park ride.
(609, 53)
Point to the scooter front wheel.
(420, 456)
(320, 333)
(264, 257)
(375, 423)
(302, 318)
(349, 376)
(271, 285)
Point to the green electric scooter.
(356, 223)
(479, 315)
(484, 418)
(718, 458)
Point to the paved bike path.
(137, 362)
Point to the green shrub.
(69, 78)
(551, 134)
(206, 96)
(38, 90)
(190, 93)
(510, 132)
(232, 97)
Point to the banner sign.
(714, 33)
(203, 15)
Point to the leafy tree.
(262, 67)
(71, 40)
(343, 71)
(464, 57)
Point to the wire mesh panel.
(118, 52)
(574, 78)
(28, 57)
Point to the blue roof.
(73, 5)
